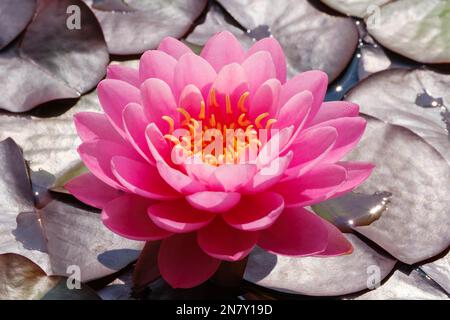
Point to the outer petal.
(273, 47)
(357, 173)
(135, 122)
(297, 232)
(173, 47)
(337, 242)
(259, 68)
(158, 102)
(97, 156)
(93, 126)
(127, 216)
(333, 110)
(274, 146)
(295, 110)
(192, 69)
(265, 99)
(142, 179)
(311, 147)
(315, 186)
(223, 242)
(231, 177)
(127, 74)
(214, 201)
(314, 81)
(157, 64)
(350, 131)
(114, 95)
(183, 264)
(222, 49)
(88, 189)
(255, 212)
(178, 216)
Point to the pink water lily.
(206, 205)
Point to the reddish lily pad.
(14, 16)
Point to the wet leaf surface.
(22, 279)
(415, 99)
(14, 17)
(311, 39)
(419, 30)
(416, 223)
(356, 8)
(133, 26)
(439, 271)
(46, 65)
(316, 276)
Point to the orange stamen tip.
(201, 115)
(241, 101)
(270, 122)
(228, 104)
(260, 118)
(171, 123)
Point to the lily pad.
(416, 99)
(318, 276)
(356, 8)
(439, 271)
(59, 235)
(14, 16)
(133, 26)
(417, 29)
(22, 279)
(44, 65)
(311, 39)
(416, 223)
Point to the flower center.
(218, 138)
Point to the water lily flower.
(213, 154)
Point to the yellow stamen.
(172, 138)
(213, 98)
(171, 123)
(241, 101)
(201, 115)
(260, 118)
(212, 121)
(228, 104)
(270, 122)
(186, 115)
(241, 121)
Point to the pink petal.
(97, 156)
(255, 212)
(334, 110)
(142, 179)
(192, 69)
(158, 102)
(135, 123)
(183, 264)
(93, 126)
(297, 232)
(191, 99)
(270, 175)
(337, 243)
(350, 131)
(157, 144)
(127, 74)
(114, 95)
(199, 170)
(317, 185)
(273, 47)
(222, 49)
(173, 47)
(179, 216)
(295, 110)
(178, 180)
(357, 173)
(259, 68)
(311, 148)
(274, 146)
(231, 177)
(127, 216)
(265, 99)
(157, 64)
(88, 189)
(313, 81)
(214, 201)
(224, 242)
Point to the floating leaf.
(416, 223)
(439, 271)
(133, 26)
(46, 65)
(22, 279)
(356, 8)
(311, 39)
(14, 16)
(417, 29)
(415, 99)
(317, 276)
(353, 209)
